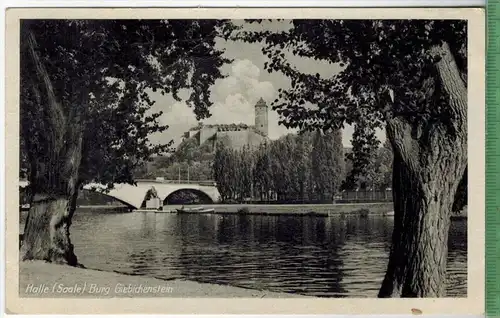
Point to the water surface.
(316, 256)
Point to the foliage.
(364, 150)
(221, 127)
(405, 76)
(281, 170)
(197, 170)
(245, 175)
(303, 166)
(243, 210)
(376, 57)
(263, 173)
(383, 167)
(327, 158)
(101, 72)
(281, 166)
(151, 194)
(223, 171)
(369, 167)
(188, 151)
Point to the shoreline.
(385, 209)
(39, 279)
(318, 210)
(285, 209)
(342, 210)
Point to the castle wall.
(239, 139)
(206, 133)
(191, 133)
(255, 139)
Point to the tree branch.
(57, 118)
(400, 134)
(453, 84)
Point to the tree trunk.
(417, 263)
(46, 234)
(430, 158)
(54, 173)
(55, 187)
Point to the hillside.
(189, 161)
(192, 161)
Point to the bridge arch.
(99, 198)
(203, 196)
(133, 196)
(130, 195)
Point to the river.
(315, 256)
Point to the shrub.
(364, 213)
(243, 210)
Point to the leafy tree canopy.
(100, 73)
(379, 59)
(377, 56)
(387, 74)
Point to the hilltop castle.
(235, 136)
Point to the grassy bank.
(41, 279)
(325, 210)
(292, 209)
(106, 208)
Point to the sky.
(235, 96)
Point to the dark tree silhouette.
(408, 76)
(85, 107)
(327, 162)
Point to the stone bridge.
(133, 196)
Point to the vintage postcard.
(292, 161)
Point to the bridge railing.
(208, 183)
(196, 182)
(367, 196)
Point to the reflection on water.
(332, 257)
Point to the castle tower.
(261, 122)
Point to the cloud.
(234, 109)
(245, 69)
(243, 79)
(265, 90)
(234, 99)
(236, 95)
(226, 86)
(178, 116)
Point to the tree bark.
(46, 233)
(54, 173)
(430, 159)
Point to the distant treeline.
(294, 168)
(309, 167)
(306, 167)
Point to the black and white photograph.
(304, 158)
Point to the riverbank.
(324, 210)
(363, 209)
(41, 279)
(105, 208)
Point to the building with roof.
(235, 136)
